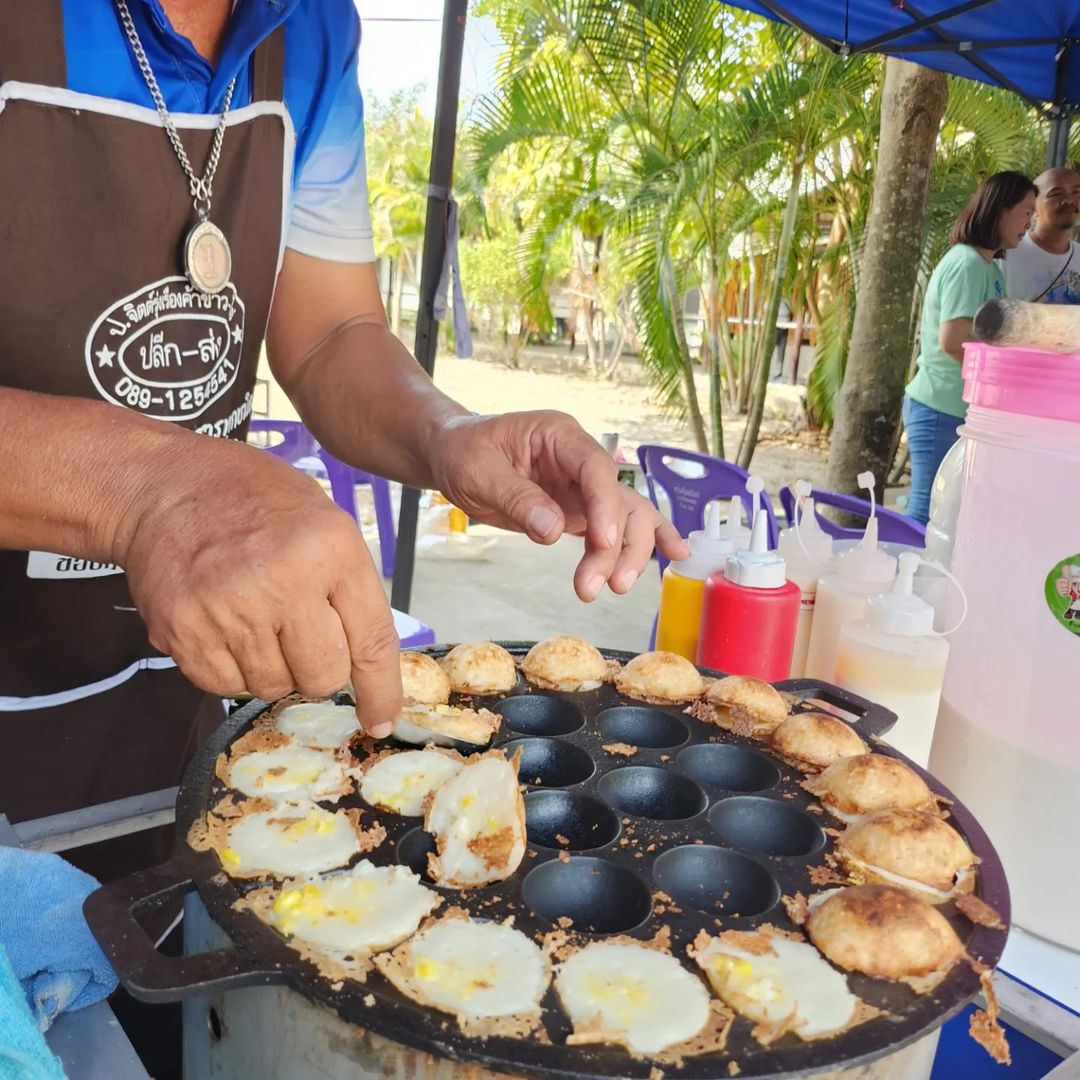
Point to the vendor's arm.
(245, 572)
(370, 404)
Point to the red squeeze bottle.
(750, 613)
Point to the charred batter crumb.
(661, 897)
(985, 1027)
(558, 945)
(665, 757)
(371, 837)
(789, 794)
(564, 857)
(813, 808)
(563, 922)
(797, 909)
(651, 847)
(337, 985)
(638, 855)
(624, 841)
(825, 875)
(733, 1068)
(495, 849)
(620, 748)
(978, 911)
(561, 840)
(369, 1001)
(531, 853)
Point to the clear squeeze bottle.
(893, 657)
(683, 589)
(807, 550)
(751, 610)
(864, 571)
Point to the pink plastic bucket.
(1024, 381)
(1007, 740)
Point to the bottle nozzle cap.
(901, 611)
(757, 568)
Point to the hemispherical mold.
(596, 896)
(413, 850)
(648, 792)
(715, 880)
(567, 821)
(727, 766)
(642, 726)
(539, 714)
(547, 762)
(753, 823)
(639, 725)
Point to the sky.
(400, 48)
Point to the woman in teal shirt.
(994, 220)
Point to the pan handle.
(869, 719)
(144, 972)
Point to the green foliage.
(635, 148)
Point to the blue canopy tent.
(1024, 46)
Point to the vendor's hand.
(539, 473)
(253, 581)
(1062, 586)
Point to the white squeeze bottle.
(864, 571)
(894, 658)
(807, 549)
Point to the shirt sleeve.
(330, 216)
(963, 289)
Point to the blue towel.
(52, 952)
(23, 1053)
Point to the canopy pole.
(427, 328)
(1057, 150)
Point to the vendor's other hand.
(253, 581)
(540, 473)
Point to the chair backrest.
(893, 527)
(691, 481)
(295, 442)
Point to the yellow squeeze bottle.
(682, 591)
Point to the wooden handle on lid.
(1019, 324)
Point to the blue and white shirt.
(328, 215)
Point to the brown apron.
(94, 304)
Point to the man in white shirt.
(1045, 267)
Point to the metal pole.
(1057, 150)
(427, 329)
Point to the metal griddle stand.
(92, 1045)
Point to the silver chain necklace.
(207, 258)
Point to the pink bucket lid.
(1025, 381)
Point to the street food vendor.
(181, 180)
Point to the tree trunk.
(772, 313)
(712, 315)
(693, 406)
(868, 407)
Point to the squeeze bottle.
(751, 610)
(864, 571)
(894, 657)
(807, 550)
(683, 589)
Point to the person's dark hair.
(977, 224)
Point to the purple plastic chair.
(690, 495)
(298, 447)
(893, 527)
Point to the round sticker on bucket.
(1063, 593)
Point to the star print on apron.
(94, 304)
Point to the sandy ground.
(522, 591)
